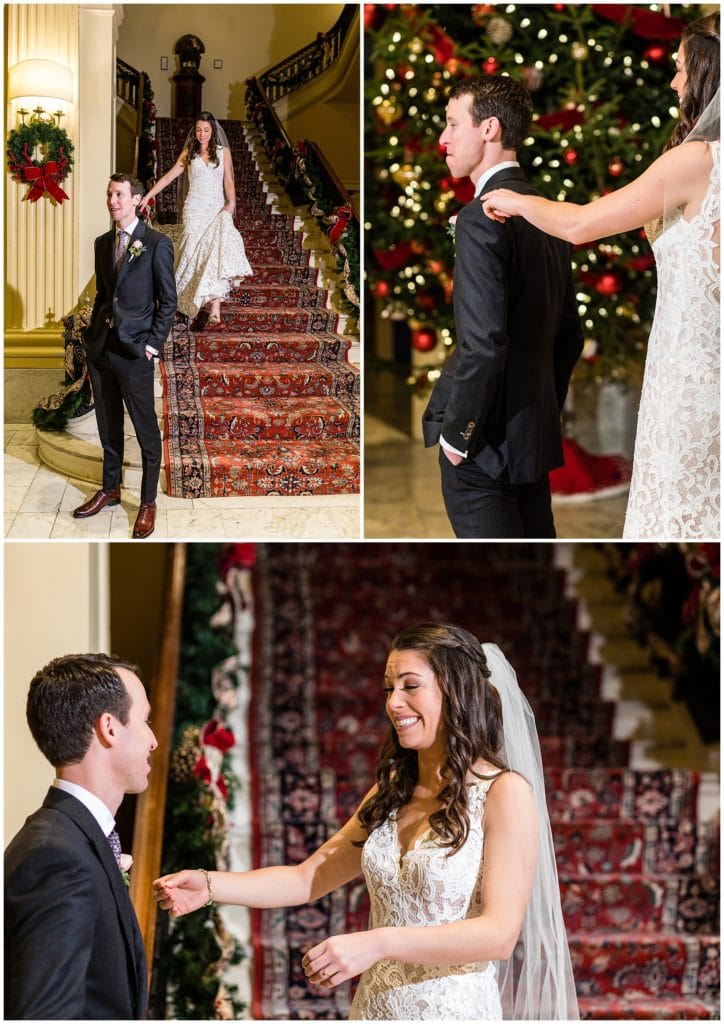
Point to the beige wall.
(246, 37)
(56, 602)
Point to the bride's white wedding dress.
(424, 887)
(211, 259)
(676, 467)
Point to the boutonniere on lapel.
(136, 249)
(125, 865)
(451, 227)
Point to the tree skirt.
(266, 402)
(637, 870)
(585, 476)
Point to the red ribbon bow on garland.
(343, 216)
(43, 180)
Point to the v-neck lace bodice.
(419, 887)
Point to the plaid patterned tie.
(114, 841)
(121, 245)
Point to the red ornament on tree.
(615, 168)
(424, 339)
(571, 157)
(608, 284)
(490, 66)
(370, 16)
(381, 289)
(656, 53)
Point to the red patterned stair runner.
(266, 402)
(637, 870)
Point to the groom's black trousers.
(117, 379)
(479, 506)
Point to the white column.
(56, 602)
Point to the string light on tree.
(600, 80)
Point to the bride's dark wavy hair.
(195, 146)
(702, 59)
(473, 722)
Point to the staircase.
(267, 402)
(638, 866)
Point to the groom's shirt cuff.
(449, 448)
(153, 351)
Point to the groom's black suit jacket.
(73, 949)
(139, 301)
(501, 392)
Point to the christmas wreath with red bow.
(40, 156)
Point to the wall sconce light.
(43, 83)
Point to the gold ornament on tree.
(579, 51)
(388, 112)
(404, 175)
(499, 31)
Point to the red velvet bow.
(43, 180)
(343, 215)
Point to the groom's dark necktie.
(121, 246)
(114, 841)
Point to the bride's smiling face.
(414, 700)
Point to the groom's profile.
(496, 407)
(132, 315)
(73, 949)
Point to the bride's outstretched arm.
(511, 854)
(335, 862)
(178, 168)
(677, 178)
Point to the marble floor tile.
(39, 503)
(46, 492)
(32, 525)
(403, 498)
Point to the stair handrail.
(130, 87)
(311, 60)
(151, 805)
(288, 159)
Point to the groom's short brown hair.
(501, 97)
(136, 184)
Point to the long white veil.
(536, 983)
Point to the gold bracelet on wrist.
(205, 873)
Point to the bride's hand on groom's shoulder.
(500, 204)
(181, 893)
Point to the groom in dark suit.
(73, 949)
(496, 407)
(132, 315)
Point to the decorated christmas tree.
(600, 80)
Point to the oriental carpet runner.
(637, 869)
(266, 402)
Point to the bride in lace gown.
(455, 845)
(675, 483)
(210, 258)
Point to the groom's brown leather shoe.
(99, 501)
(145, 520)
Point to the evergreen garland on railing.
(196, 949)
(298, 172)
(341, 226)
(147, 141)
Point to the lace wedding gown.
(421, 888)
(676, 467)
(211, 259)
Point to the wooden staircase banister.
(151, 805)
(130, 87)
(279, 79)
